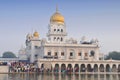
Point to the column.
(79, 68)
(73, 65)
(32, 53)
(104, 69)
(97, 54)
(53, 66)
(59, 69)
(83, 54)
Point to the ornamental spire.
(56, 8)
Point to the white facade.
(58, 53)
(57, 45)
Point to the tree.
(8, 54)
(114, 55)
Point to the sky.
(91, 18)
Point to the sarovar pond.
(35, 76)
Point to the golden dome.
(36, 34)
(57, 17)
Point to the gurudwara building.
(58, 53)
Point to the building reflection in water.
(59, 76)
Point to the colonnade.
(77, 67)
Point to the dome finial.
(56, 8)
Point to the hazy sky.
(91, 18)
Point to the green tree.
(114, 55)
(8, 54)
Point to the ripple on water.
(35, 76)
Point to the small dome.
(29, 36)
(36, 34)
(92, 40)
(96, 40)
(84, 39)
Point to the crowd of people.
(22, 67)
(32, 67)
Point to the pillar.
(53, 66)
(32, 58)
(79, 68)
(73, 67)
(83, 54)
(59, 68)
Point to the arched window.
(61, 39)
(62, 53)
(55, 54)
(86, 54)
(54, 29)
(79, 54)
(54, 38)
(71, 53)
(92, 53)
(49, 53)
(61, 30)
(58, 30)
(58, 38)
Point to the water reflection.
(59, 76)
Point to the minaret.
(57, 29)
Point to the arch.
(79, 54)
(61, 30)
(76, 68)
(89, 69)
(54, 38)
(119, 68)
(71, 54)
(82, 68)
(63, 68)
(49, 53)
(42, 68)
(92, 53)
(114, 69)
(86, 56)
(56, 68)
(108, 68)
(58, 39)
(61, 39)
(95, 68)
(56, 55)
(42, 65)
(54, 29)
(69, 68)
(62, 54)
(58, 30)
(47, 67)
(101, 68)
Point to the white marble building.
(61, 51)
(58, 46)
